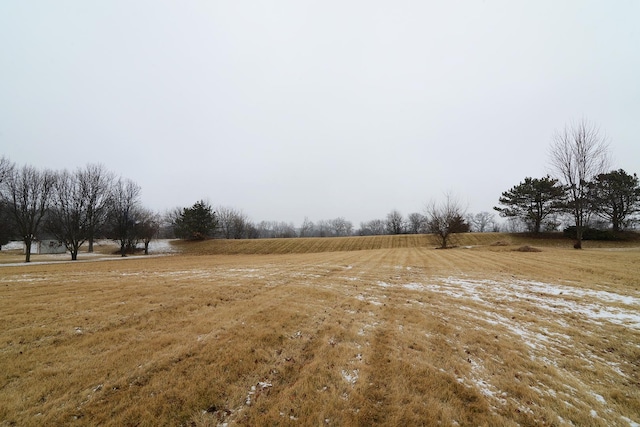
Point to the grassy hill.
(357, 243)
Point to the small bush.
(595, 234)
(528, 249)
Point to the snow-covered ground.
(13, 246)
(161, 246)
(559, 299)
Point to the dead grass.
(394, 336)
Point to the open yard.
(404, 335)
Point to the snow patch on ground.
(490, 302)
(631, 423)
(162, 246)
(13, 246)
(369, 299)
(350, 376)
(595, 305)
(414, 286)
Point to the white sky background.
(322, 109)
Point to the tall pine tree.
(195, 223)
(615, 197)
(532, 201)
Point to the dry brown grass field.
(384, 331)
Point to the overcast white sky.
(288, 109)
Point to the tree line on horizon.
(80, 206)
(89, 203)
(584, 194)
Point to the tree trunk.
(615, 220)
(443, 241)
(578, 244)
(90, 250)
(146, 248)
(27, 243)
(579, 216)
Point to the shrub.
(595, 234)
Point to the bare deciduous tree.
(446, 219)
(96, 182)
(482, 222)
(275, 229)
(123, 202)
(375, 227)
(6, 166)
(68, 216)
(323, 228)
(5, 216)
(147, 227)
(5, 225)
(578, 154)
(170, 218)
(27, 192)
(341, 227)
(240, 225)
(232, 223)
(416, 223)
(395, 222)
(307, 228)
(252, 231)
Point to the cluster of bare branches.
(445, 219)
(72, 207)
(394, 223)
(578, 154)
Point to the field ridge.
(303, 245)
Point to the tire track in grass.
(374, 403)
